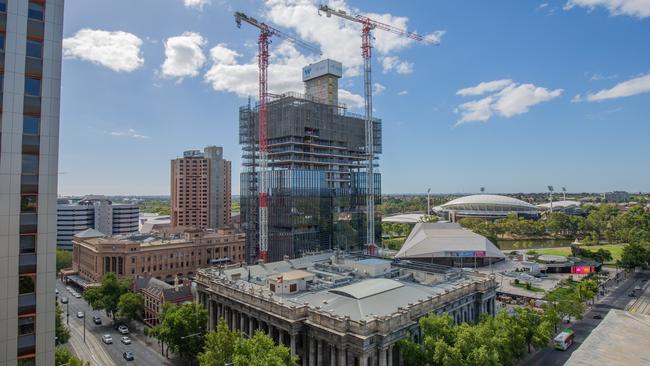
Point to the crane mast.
(264, 39)
(367, 25)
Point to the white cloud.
(634, 8)
(183, 55)
(351, 99)
(377, 89)
(131, 133)
(511, 100)
(119, 51)
(542, 6)
(403, 92)
(484, 87)
(627, 88)
(196, 4)
(598, 77)
(393, 63)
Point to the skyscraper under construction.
(317, 170)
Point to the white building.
(30, 83)
(96, 212)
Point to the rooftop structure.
(404, 218)
(317, 175)
(488, 206)
(331, 308)
(448, 244)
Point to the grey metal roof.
(89, 233)
(361, 290)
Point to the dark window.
(28, 203)
(26, 285)
(27, 244)
(293, 287)
(32, 87)
(30, 164)
(2, 39)
(34, 49)
(31, 125)
(3, 6)
(26, 325)
(36, 11)
(27, 362)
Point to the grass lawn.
(394, 243)
(522, 285)
(615, 249)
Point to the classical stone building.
(95, 254)
(156, 293)
(338, 309)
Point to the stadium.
(486, 206)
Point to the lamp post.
(84, 319)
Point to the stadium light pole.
(564, 193)
(550, 197)
(428, 201)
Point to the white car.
(123, 329)
(80, 314)
(125, 340)
(107, 339)
(77, 295)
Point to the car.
(64, 300)
(97, 320)
(128, 355)
(123, 329)
(125, 340)
(77, 295)
(80, 314)
(56, 291)
(107, 338)
(598, 316)
(68, 288)
(631, 294)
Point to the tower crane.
(367, 25)
(263, 41)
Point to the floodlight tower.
(550, 196)
(266, 32)
(428, 201)
(564, 193)
(367, 25)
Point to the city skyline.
(566, 103)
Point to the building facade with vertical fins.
(200, 189)
(30, 82)
(317, 170)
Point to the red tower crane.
(367, 25)
(266, 32)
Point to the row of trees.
(636, 254)
(114, 297)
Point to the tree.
(261, 351)
(530, 322)
(635, 255)
(130, 306)
(62, 356)
(182, 328)
(107, 295)
(61, 332)
(219, 346)
(63, 259)
(551, 315)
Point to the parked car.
(125, 340)
(80, 314)
(56, 291)
(631, 294)
(598, 316)
(123, 329)
(128, 355)
(107, 338)
(97, 320)
(77, 295)
(64, 300)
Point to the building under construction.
(316, 170)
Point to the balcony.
(26, 304)
(27, 263)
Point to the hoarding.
(321, 68)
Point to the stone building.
(333, 309)
(156, 293)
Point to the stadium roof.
(556, 204)
(621, 338)
(404, 218)
(429, 240)
(487, 199)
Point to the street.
(95, 350)
(616, 299)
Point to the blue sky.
(517, 95)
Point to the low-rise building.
(166, 257)
(156, 293)
(335, 309)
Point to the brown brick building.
(156, 293)
(200, 189)
(95, 254)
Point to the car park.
(123, 329)
(125, 340)
(128, 355)
(97, 320)
(107, 338)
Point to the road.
(94, 349)
(616, 299)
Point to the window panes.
(27, 362)
(30, 164)
(27, 244)
(31, 125)
(2, 40)
(26, 325)
(34, 49)
(36, 11)
(3, 6)
(26, 285)
(28, 203)
(33, 87)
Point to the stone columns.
(211, 318)
(363, 360)
(280, 336)
(332, 355)
(312, 351)
(382, 357)
(319, 345)
(343, 360)
(292, 343)
(251, 327)
(234, 319)
(242, 324)
(390, 355)
(270, 330)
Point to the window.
(28, 204)
(27, 361)
(31, 125)
(32, 87)
(2, 40)
(26, 285)
(27, 244)
(26, 325)
(36, 11)
(3, 6)
(293, 287)
(34, 49)
(30, 164)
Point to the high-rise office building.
(30, 79)
(200, 189)
(94, 212)
(317, 170)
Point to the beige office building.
(30, 82)
(200, 189)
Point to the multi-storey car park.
(317, 170)
(338, 309)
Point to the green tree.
(261, 351)
(63, 259)
(130, 306)
(62, 356)
(182, 328)
(635, 255)
(535, 328)
(219, 346)
(107, 295)
(551, 315)
(61, 332)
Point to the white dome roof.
(487, 199)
